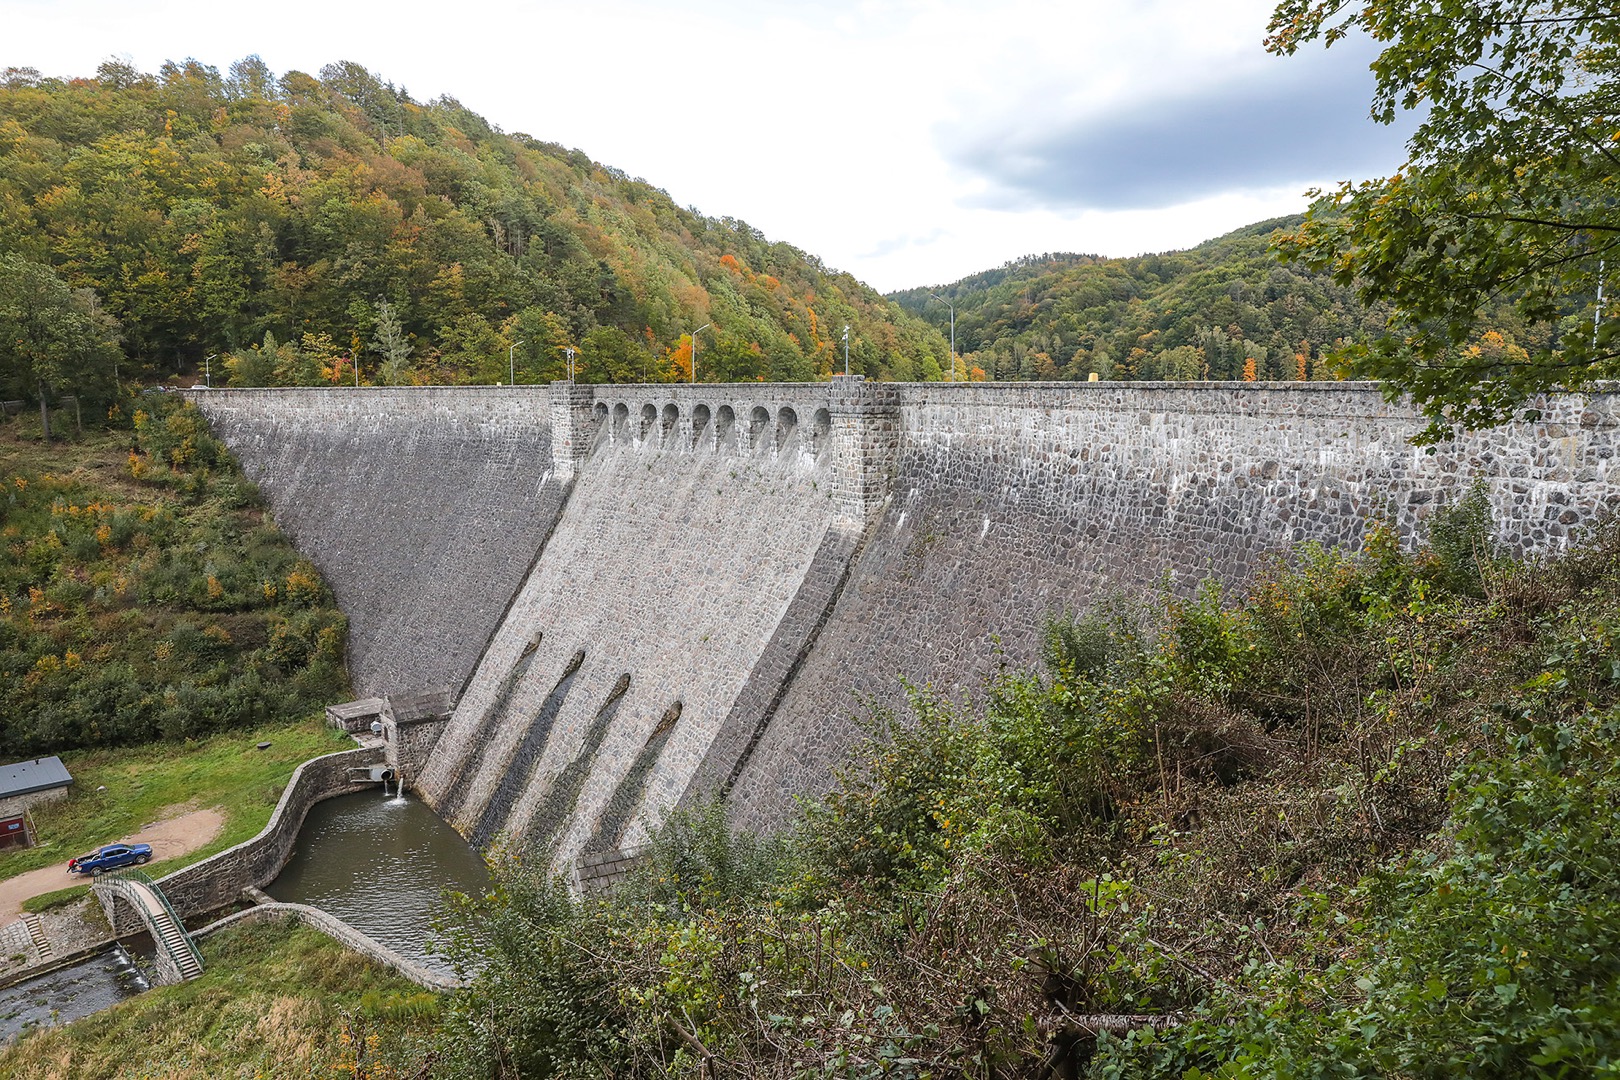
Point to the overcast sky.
(910, 142)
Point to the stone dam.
(639, 595)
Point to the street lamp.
(695, 333)
(948, 304)
(511, 364)
(568, 352)
(208, 370)
(846, 348)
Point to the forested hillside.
(292, 227)
(145, 593)
(1227, 309)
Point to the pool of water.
(89, 986)
(381, 864)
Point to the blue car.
(111, 857)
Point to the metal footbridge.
(177, 957)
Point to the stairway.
(36, 934)
(173, 941)
(178, 958)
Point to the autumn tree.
(52, 338)
(1507, 192)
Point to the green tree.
(389, 341)
(1507, 192)
(52, 338)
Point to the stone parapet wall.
(217, 881)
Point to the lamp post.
(695, 333)
(568, 353)
(511, 364)
(846, 348)
(208, 368)
(952, 376)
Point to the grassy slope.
(144, 592)
(274, 1001)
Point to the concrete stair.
(178, 959)
(36, 934)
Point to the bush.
(128, 615)
(1363, 822)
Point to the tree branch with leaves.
(1508, 197)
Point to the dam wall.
(421, 506)
(728, 576)
(1015, 502)
(696, 520)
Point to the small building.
(29, 783)
(411, 725)
(355, 716)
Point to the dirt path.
(169, 838)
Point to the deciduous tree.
(1508, 193)
(52, 338)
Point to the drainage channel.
(69, 993)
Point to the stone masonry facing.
(648, 595)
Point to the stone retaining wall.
(217, 881)
(339, 931)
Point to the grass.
(58, 899)
(274, 1001)
(147, 783)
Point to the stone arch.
(649, 417)
(700, 423)
(669, 420)
(601, 411)
(786, 421)
(759, 421)
(820, 431)
(621, 421)
(725, 426)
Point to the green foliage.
(1196, 314)
(541, 1004)
(1507, 193)
(300, 227)
(1361, 821)
(1462, 538)
(53, 339)
(144, 595)
(1499, 955)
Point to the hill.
(145, 594)
(1203, 313)
(286, 227)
